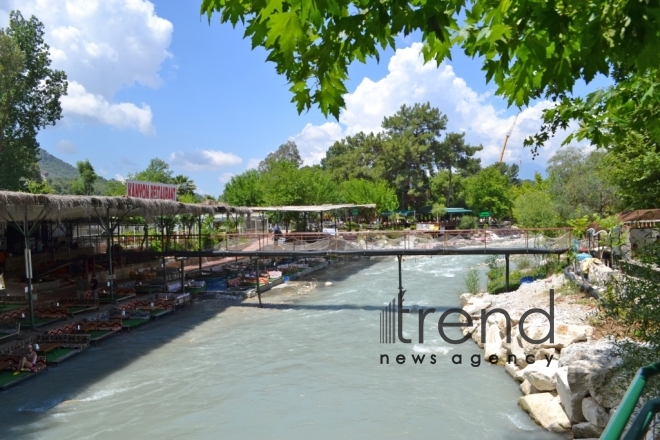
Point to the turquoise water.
(305, 366)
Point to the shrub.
(524, 263)
(472, 281)
(468, 222)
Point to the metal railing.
(640, 425)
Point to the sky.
(153, 79)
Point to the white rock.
(465, 299)
(514, 372)
(598, 352)
(570, 399)
(476, 335)
(606, 385)
(493, 345)
(542, 375)
(546, 411)
(516, 349)
(527, 388)
(594, 413)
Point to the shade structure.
(19, 207)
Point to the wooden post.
(258, 289)
(506, 258)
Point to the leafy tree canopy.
(244, 190)
(529, 49)
(286, 151)
(157, 171)
(489, 190)
(29, 96)
(85, 184)
(577, 186)
(362, 192)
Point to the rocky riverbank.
(566, 382)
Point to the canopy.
(403, 212)
(18, 207)
(458, 211)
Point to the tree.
(633, 168)
(530, 50)
(157, 171)
(355, 157)
(85, 184)
(454, 153)
(510, 171)
(39, 187)
(576, 185)
(490, 191)
(29, 96)
(438, 210)
(116, 188)
(409, 151)
(363, 192)
(535, 209)
(286, 151)
(244, 190)
(185, 186)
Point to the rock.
(600, 274)
(546, 411)
(594, 413)
(586, 430)
(468, 330)
(516, 349)
(606, 385)
(465, 299)
(571, 399)
(493, 345)
(527, 388)
(472, 310)
(476, 335)
(567, 334)
(514, 372)
(541, 375)
(599, 352)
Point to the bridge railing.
(545, 238)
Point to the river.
(305, 366)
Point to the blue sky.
(154, 79)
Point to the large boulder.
(594, 413)
(516, 349)
(586, 430)
(571, 395)
(599, 274)
(546, 410)
(606, 384)
(542, 375)
(476, 335)
(465, 299)
(599, 352)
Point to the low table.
(48, 346)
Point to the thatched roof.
(14, 206)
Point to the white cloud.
(204, 159)
(410, 81)
(120, 178)
(253, 164)
(65, 146)
(103, 46)
(80, 103)
(314, 140)
(226, 177)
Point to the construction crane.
(508, 135)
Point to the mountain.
(61, 174)
(56, 168)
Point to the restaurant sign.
(150, 190)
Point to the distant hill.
(61, 174)
(56, 168)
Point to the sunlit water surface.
(305, 366)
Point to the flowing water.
(305, 366)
